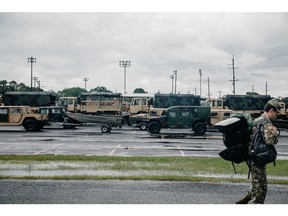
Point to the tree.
(2, 86)
(71, 92)
(100, 89)
(139, 90)
(23, 87)
(13, 86)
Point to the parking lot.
(126, 141)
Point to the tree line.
(66, 92)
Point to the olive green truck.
(195, 117)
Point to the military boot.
(243, 200)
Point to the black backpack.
(261, 153)
(236, 132)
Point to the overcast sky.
(71, 46)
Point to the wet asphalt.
(129, 192)
(125, 141)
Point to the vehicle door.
(15, 115)
(186, 119)
(173, 118)
(56, 115)
(138, 105)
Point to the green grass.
(140, 168)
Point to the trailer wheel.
(30, 125)
(143, 126)
(105, 129)
(154, 127)
(199, 128)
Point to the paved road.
(89, 140)
(129, 192)
(127, 141)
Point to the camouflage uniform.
(258, 190)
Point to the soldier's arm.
(271, 134)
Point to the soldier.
(125, 114)
(258, 189)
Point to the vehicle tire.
(105, 129)
(154, 127)
(199, 128)
(30, 125)
(143, 126)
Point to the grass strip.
(139, 168)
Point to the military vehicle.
(221, 108)
(110, 103)
(169, 100)
(69, 103)
(141, 109)
(140, 120)
(22, 115)
(33, 99)
(219, 112)
(1, 100)
(246, 102)
(94, 103)
(41, 102)
(195, 117)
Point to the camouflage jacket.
(270, 132)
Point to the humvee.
(195, 117)
(22, 115)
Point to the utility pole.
(124, 64)
(233, 80)
(31, 60)
(208, 89)
(85, 80)
(175, 75)
(172, 77)
(266, 88)
(200, 73)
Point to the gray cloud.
(71, 46)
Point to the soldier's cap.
(275, 104)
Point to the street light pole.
(31, 60)
(85, 80)
(200, 73)
(124, 64)
(172, 77)
(175, 75)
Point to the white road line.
(112, 152)
(55, 146)
(181, 152)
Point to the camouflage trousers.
(258, 190)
